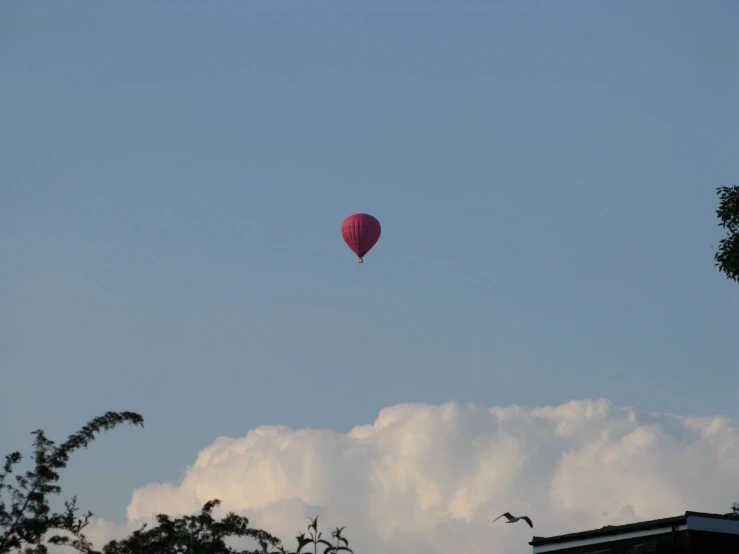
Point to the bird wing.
(527, 520)
(506, 515)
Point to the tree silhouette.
(25, 515)
(727, 257)
(190, 534)
(26, 520)
(203, 534)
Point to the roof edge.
(629, 528)
(608, 530)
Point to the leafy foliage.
(200, 534)
(203, 534)
(727, 257)
(25, 515)
(314, 538)
(26, 519)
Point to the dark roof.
(628, 528)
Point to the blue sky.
(174, 177)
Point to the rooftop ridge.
(614, 530)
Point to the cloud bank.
(431, 478)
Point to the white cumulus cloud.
(431, 478)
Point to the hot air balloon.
(361, 232)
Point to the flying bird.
(512, 519)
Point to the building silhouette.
(690, 533)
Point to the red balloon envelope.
(361, 232)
